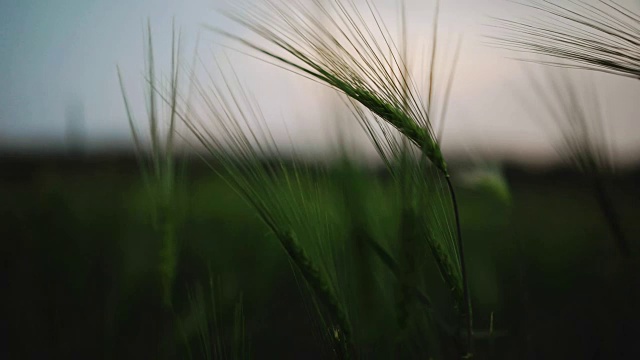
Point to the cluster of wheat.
(351, 269)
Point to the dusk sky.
(54, 54)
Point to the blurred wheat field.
(218, 235)
(79, 261)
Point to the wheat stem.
(467, 315)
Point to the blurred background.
(64, 55)
(78, 245)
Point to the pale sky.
(54, 54)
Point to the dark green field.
(79, 277)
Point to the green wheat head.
(577, 117)
(331, 43)
(231, 128)
(583, 143)
(158, 162)
(602, 36)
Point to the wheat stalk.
(331, 43)
(159, 171)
